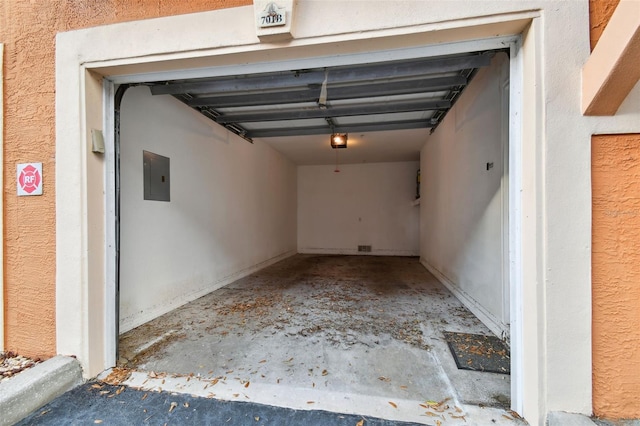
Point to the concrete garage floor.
(355, 334)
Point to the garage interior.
(253, 252)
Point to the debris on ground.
(12, 364)
(360, 306)
(117, 376)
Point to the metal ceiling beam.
(334, 93)
(349, 128)
(368, 109)
(302, 78)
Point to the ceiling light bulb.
(339, 140)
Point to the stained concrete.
(35, 387)
(317, 326)
(559, 418)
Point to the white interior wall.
(363, 204)
(553, 210)
(462, 203)
(232, 209)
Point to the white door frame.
(516, 331)
(513, 43)
(554, 220)
(548, 175)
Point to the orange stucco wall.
(28, 29)
(600, 12)
(616, 275)
(615, 260)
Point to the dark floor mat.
(479, 353)
(95, 403)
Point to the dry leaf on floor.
(384, 379)
(311, 402)
(393, 404)
(144, 397)
(262, 362)
(360, 423)
(429, 413)
(96, 386)
(246, 385)
(185, 405)
(514, 414)
(325, 372)
(97, 421)
(507, 417)
(438, 423)
(117, 376)
(257, 418)
(173, 406)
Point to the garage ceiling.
(291, 109)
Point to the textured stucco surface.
(28, 29)
(600, 12)
(615, 260)
(616, 274)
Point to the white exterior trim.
(514, 167)
(110, 299)
(555, 182)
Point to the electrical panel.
(157, 182)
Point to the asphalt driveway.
(98, 403)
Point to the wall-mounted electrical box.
(157, 183)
